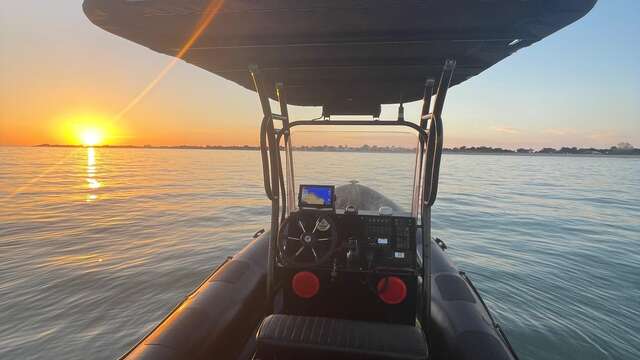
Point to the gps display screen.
(316, 196)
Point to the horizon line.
(464, 148)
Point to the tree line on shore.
(620, 149)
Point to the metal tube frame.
(428, 157)
(271, 169)
(433, 122)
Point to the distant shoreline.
(482, 150)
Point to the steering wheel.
(307, 239)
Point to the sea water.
(98, 245)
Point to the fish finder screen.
(316, 196)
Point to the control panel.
(389, 240)
(353, 265)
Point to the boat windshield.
(354, 160)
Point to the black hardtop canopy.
(345, 54)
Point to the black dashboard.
(373, 242)
(348, 263)
(345, 241)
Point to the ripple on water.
(552, 243)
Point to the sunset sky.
(64, 80)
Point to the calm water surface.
(96, 246)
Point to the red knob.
(392, 290)
(305, 284)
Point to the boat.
(343, 272)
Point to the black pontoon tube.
(462, 327)
(486, 308)
(219, 317)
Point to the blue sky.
(579, 87)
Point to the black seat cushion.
(302, 337)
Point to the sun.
(86, 128)
(91, 137)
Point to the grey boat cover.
(339, 53)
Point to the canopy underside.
(336, 52)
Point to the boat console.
(337, 282)
(346, 263)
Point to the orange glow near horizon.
(75, 116)
(86, 128)
(72, 82)
(92, 129)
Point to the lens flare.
(208, 15)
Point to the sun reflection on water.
(92, 182)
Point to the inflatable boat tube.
(461, 327)
(217, 320)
